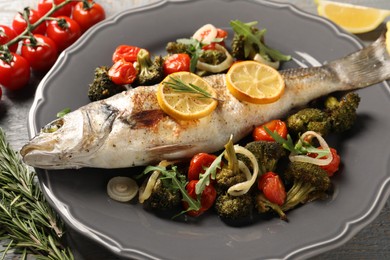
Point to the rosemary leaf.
(26, 219)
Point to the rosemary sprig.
(26, 219)
(179, 85)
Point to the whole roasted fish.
(129, 129)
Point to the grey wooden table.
(372, 242)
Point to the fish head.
(55, 145)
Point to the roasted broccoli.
(149, 72)
(267, 154)
(263, 205)
(249, 41)
(213, 57)
(102, 87)
(342, 112)
(309, 119)
(178, 47)
(163, 197)
(235, 210)
(309, 182)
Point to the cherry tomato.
(126, 52)
(7, 34)
(333, 166)
(198, 164)
(87, 14)
(259, 133)
(207, 198)
(122, 72)
(221, 34)
(41, 52)
(19, 24)
(1, 93)
(63, 32)
(14, 74)
(44, 6)
(177, 62)
(272, 187)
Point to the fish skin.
(130, 129)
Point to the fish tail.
(366, 67)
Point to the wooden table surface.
(372, 242)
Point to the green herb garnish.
(63, 112)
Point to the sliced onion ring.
(243, 187)
(218, 67)
(122, 189)
(318, 161)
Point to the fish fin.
(366, 67)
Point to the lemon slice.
(254, 82)
(388, 37)
(182, 104)
(352, 18)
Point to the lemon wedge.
(353, 18)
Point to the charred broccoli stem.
(309, 119)
(342, 113)
(102, 87)
(263, 205)
(149, 71)
(309, 182)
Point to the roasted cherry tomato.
(177, 62)
(14, 74)
(44, 6)
(334, 165)
(19, 24)
(198, 164)
(207, 199)
(63, 32)
(272, 187)
(1, 93)
(122, 72)
(88, 13)
(40, 51)
(7, 34)
(221, 34)
(259, 133)
(126, 52)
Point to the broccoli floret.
(213, 57)
(263, 205)
(309, 119)
(225, 178)
(102, 87)
(149, 72)
(267, 154)
(163, 197)
(178, 47)
(342, 112)
(235, 210)
(309, 182)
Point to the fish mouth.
(37, 153)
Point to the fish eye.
(53, 126)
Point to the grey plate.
(361, 188)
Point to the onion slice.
(218, 67)
(318, 161)
(273, 64)
(243, 187)
(122, 189)
(146, 189)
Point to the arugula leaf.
(254, 38)
(204, 179)
(195, 49)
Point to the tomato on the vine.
(260, 134)
(177, 62)
(19, 24)
(14, 72)
(63, 31)
(207, 198)
(88, 13)
(122, 72)
(127, 52)
(40, 51)
(6, 35)
(44, 7)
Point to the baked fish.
(129, 129)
